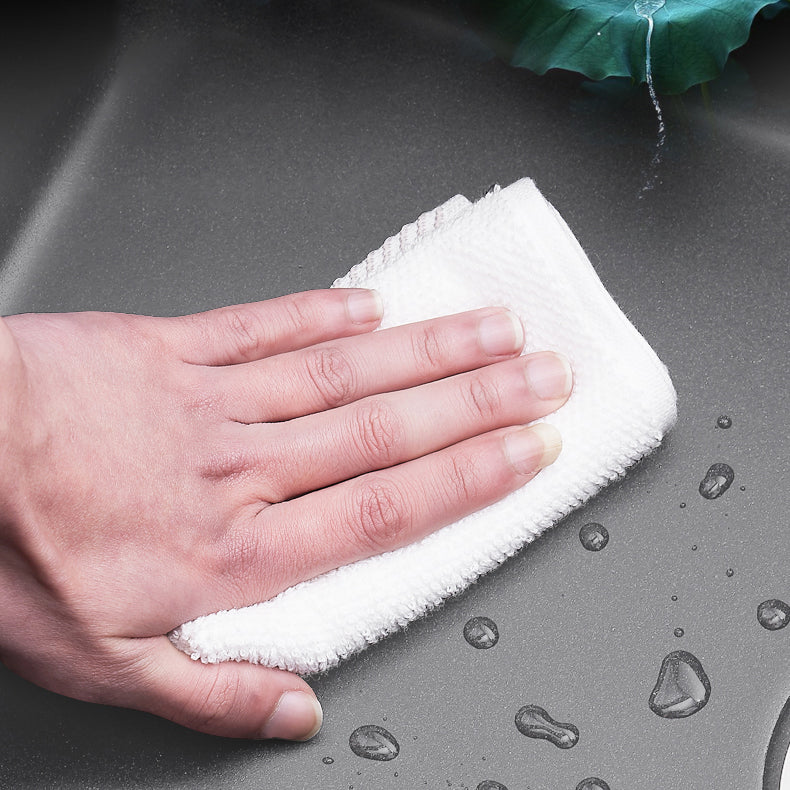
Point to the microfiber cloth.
(509, 248)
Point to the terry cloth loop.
(510, 248)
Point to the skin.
(156, 469)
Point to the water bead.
(593, 783)
(682, 688)
(373, 743)
(481, 632)
(773, 614)
(716, 481)
(534, 722)
(593, 536)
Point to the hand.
(157, 469)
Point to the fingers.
(233, 699)
(374, 433)
(242, 333)
(332, 374)
(385, 510)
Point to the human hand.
(156, 469)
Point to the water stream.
(646, 9)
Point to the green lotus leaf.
(602, 38)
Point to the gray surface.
(165, 161)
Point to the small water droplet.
(481, 632)
(593, 783)
(327, 761)
(730, 572)
(682, 505)
(490, 784)
(694, 547)
(678, 632)
(682, 688)
(773, 614)
(716, 481)
(534, 722)
(674, 598)
(593, 536)
(724, 422)
(743, 488)
(373, 743)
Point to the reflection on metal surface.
(776, 772)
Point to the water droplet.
(743, 488)
(490, 784)
(682, 687)
(593, 536)
(674, 598)
(534, 722)
(682, 505)
(773, 614)
(481, 632)
(373, 743)
(716, 481)
(327, 761)
(694, 547)
(730, 572)
(678, 632)
(724, 422)
(593, 783)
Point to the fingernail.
(297, 717)
(364, 306)
(501, 333)
(549, 375)
(531, 449)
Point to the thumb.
(234, 699)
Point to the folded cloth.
(509, 248)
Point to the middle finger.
(385, 430)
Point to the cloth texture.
(510, 248)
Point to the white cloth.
(510, 248)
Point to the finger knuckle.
(216, 702)
(332, 375)
(430, 349)
(300, 313)
(484, 398)
(245, 330)
(240, 555)
(463, 479)
(377, 433)
(383, 516)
